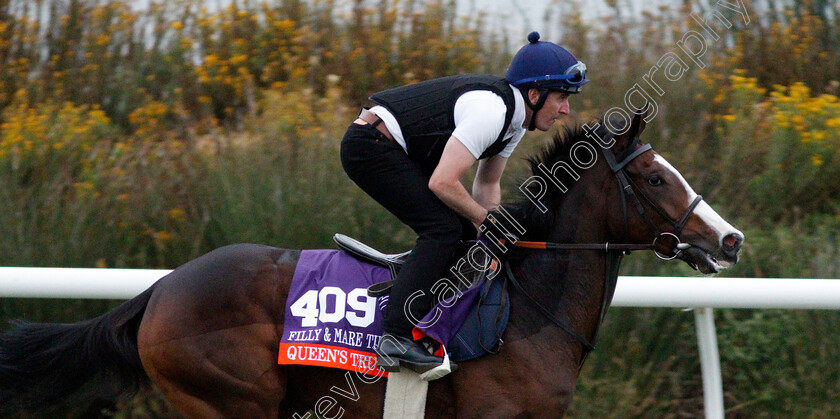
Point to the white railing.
(703, 294)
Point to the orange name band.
(329, 356)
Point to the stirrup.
(438, 372)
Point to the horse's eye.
(655, 180)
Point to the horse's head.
(630, 194)
(662, 206)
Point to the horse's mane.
(527, 213)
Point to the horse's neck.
(568, 283)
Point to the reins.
(629, 191)
(626, 247)
(587, 346)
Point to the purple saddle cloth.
(331, 321)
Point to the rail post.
(704, 320)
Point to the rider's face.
(556, 105)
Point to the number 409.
(312, 307)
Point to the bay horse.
(207, 334)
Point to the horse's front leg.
(523, 381)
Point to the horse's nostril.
(729, 241)
(732, 242)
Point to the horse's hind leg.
(210, 334)
(242, 381)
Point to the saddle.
(393, 262)
(368, 254)
(484, 320)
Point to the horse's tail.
(42, 363)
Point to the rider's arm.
(487, 190)
(479, 119)
(446, 181)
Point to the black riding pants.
(383, 170)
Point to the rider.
(410, 151)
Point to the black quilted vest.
(425, 112)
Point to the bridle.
(629, 191)
(633, 192)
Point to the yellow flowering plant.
(785, 146)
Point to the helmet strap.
(536, 107)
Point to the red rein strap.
(529, 245)
(578, 246)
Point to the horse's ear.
(639, 121)
(637, 125)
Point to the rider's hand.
(492, 228)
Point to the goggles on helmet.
(574, 76)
